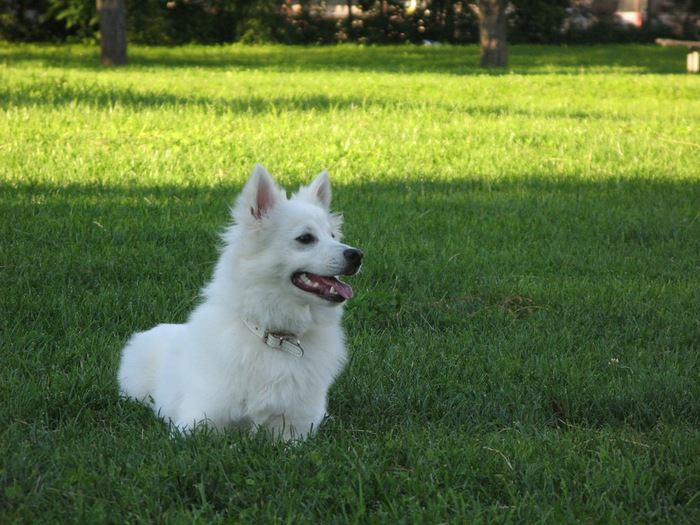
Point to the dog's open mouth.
(329, 288)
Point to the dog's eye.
(333, 235)
(307, 238)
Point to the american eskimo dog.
(265, 344)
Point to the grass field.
(524, 342)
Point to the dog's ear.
(319, 191)
(260, 194)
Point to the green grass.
(524, 342)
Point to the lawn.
(525, 338)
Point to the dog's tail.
(141, 363)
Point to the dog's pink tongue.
(343, 289)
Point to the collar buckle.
(284, 341)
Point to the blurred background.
(166, 22)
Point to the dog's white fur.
(213, 369)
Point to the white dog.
(265, 344)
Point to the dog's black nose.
(353, 256)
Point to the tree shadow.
(101, 261)
(58, 93)
(408, 59)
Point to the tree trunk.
(492, 32)
(349, 20)
(112, 31)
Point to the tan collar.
(283, 341)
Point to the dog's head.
(294, 245)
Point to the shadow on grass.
(602, 266)
(454, 60)
(57, 93)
